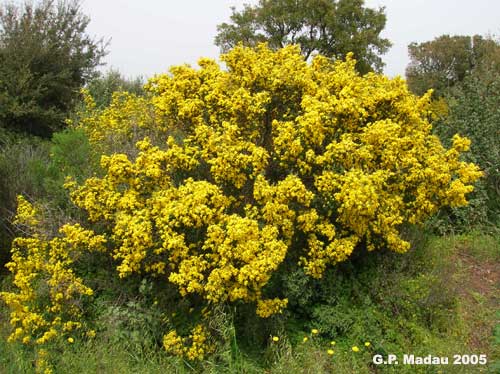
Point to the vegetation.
(328, 27)
(45, 58)
(102, 87)
(438, 298)
(446, 61)
(473, 112)
(279, 212)
(463, 72)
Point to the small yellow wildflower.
(332, 342)
(367, 344)
(305, 339)
(330, 352)
(275, 338)
(355, 349)
(314, 331)
(71, 340)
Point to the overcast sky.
(148, 36)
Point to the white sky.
(148, 36)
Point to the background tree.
(329, 27)
(443, 62)
(45, 57)
(102, 87)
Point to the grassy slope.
(440, 299)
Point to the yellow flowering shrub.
(267, 163)
(47, 303)
(127, 119)
(195, 346)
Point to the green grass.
(439, 299)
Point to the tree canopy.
(445, 61)
(45, 57)
(328, 27)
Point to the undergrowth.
(381, 303)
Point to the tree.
(445, 61)
(45, 57)
(328, 27)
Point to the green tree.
(328, 27)
(45, 57)
(447, 60)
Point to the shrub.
(118, 126)
(37, 169)
(474, 113)
(276, 164)
(22, 160)
(102, 87)
(45, 58)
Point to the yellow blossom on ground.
(355, 349)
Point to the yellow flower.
(71, 340)
(305, 339)
(330, 352)
(367, 344)
(275, 338)
(314, 331)
(355, 349)
(332, 342)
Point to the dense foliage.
(332, 28)
(45, 58)
(271, 165)
(463, 73)
(446, 61)
(473, 112)
(102, 87)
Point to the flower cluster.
(195, 346)
(47, 303)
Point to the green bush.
(45, 58)
(22, 160)
(102, 87)
(37, 169)
(473, 108)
